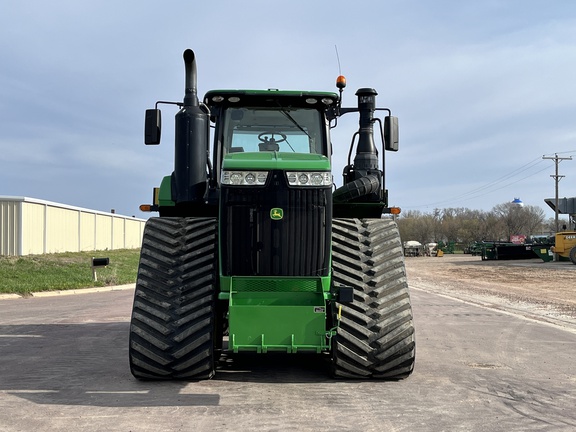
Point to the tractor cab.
(284, 123)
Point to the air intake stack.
(366, 160)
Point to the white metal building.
(30, 226)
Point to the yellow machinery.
(565, 245)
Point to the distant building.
(30, 226)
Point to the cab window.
(291, 130)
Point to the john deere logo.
(276, 214)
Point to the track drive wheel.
(375, 337)
(174, 317)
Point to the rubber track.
(172, 325)
(375, 337)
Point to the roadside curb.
(10, 296)
(68, 292)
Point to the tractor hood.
(275, 161)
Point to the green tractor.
(255, 252)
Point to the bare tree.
(493, 227)
(463, 225)
(415, 225)
(519, 220)
(534, 219)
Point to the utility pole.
(557, 179)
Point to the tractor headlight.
(306, 178)
(244, 178)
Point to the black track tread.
(172, 325)
(375, 338)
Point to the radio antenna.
(340, 84)
(338, 59)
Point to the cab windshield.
(292, 130)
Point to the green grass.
(50, 272)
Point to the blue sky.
(482, 90)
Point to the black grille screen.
(254, 244)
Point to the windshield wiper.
(294, 121)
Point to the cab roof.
(272, 98)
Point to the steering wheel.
(264, 137)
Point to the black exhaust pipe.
(192, 134)
(191, 92)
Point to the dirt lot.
(545, 291)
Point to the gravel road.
(533, 288)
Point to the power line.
(565, 152)
(511, 183)
(499, 180)
(488, 187)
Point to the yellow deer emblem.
(276, 213)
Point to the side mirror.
(391, 133)
(152, 126)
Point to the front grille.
(254, 244)
(277, 285)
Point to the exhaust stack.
(191, 92)
(191, 141)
